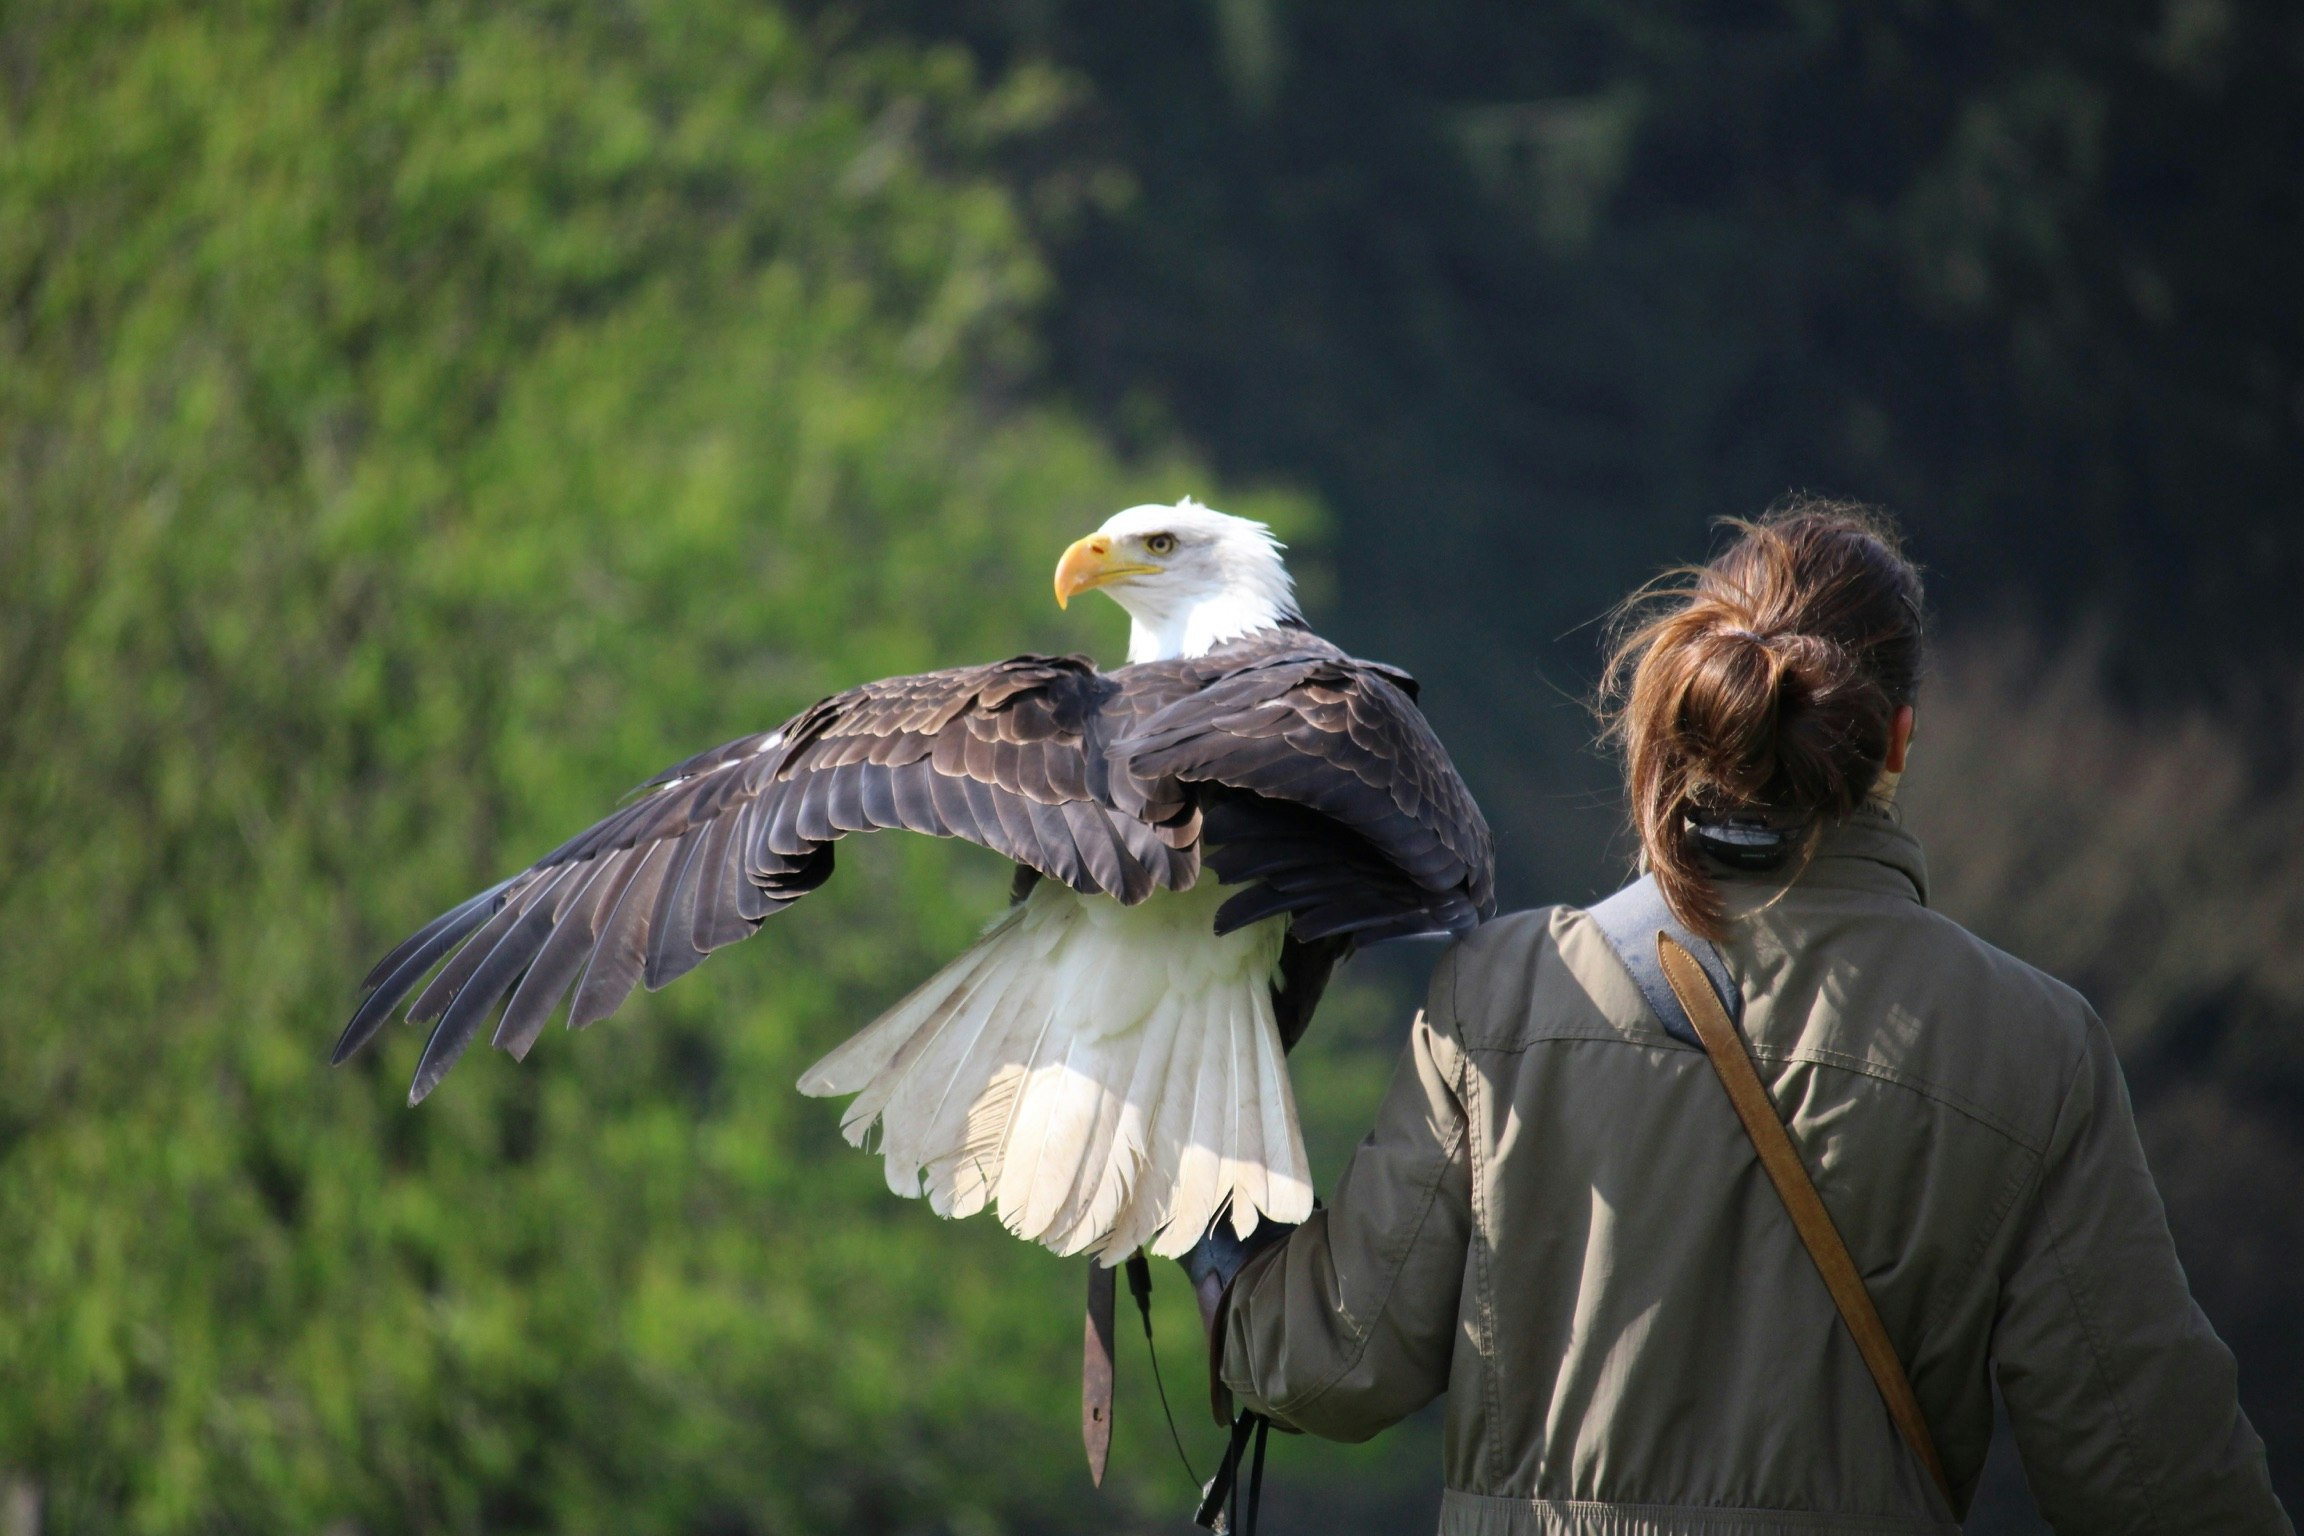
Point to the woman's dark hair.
(1764, 683)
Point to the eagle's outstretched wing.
(998, 754)
(1313, 777)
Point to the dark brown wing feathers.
(1303, 776)
(1341, 739)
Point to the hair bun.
(1768, 684)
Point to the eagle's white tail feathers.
(864, 1060)
(1106, 1076)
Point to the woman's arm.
(2123, 1399)
(1348, 1326)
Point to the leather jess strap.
(1790, 1176)
(1096, 1369)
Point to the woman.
(1560, 1222)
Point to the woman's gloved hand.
(1220, 1255)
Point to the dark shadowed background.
(419, 423)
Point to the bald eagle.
(1105, 1065)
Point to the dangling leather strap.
(1798, 1191)
(1096, 1370)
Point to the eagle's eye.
(1160, 543)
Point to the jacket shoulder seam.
(1651, 1040)
(1919, 1087)
(1835, 1060)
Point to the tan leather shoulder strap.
(1806, 1207)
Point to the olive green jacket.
(1559, 1222)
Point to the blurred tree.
(419, 424)
(1531, 293)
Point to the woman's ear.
(1899, 739)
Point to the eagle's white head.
(1189, 576)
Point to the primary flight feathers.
(1104, 1065)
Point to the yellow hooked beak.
(1089, 564)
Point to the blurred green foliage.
(420, 422)
(418, 425)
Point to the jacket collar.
(1868, 851)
